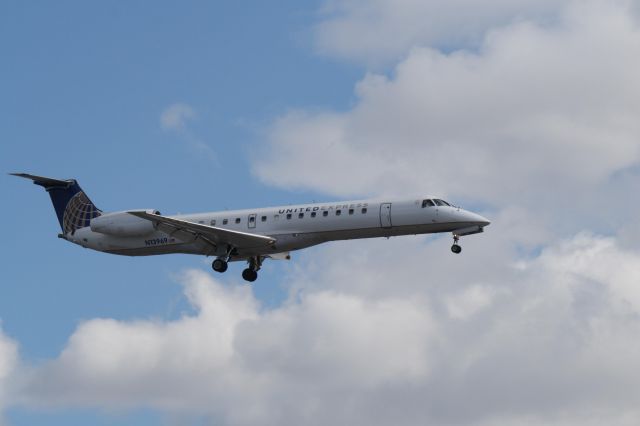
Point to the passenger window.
(252, 219)
(325, 213)
(288, 215)
(264, 218)
(225, 221)
(364, 210)
(338, 212)
(276, 216)
(300, 215)
(350, 211)
(427, 203)
(313, 214)
(201, 222)
(213, 222)
(237, 220)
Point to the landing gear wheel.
(455, 247)
(219, 265)
(249, 275)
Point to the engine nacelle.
(123, 224)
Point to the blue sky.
(83, 92)
(83, 88)
(525, 112)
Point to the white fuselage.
(293, 227)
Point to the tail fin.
(74, 209)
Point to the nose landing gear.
(455, 247)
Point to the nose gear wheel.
(455, 247)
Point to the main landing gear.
(455, 247)
(250, 274)
(220, 265)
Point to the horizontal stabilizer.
(43, 181)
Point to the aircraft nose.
(477, 219)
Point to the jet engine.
(123, 224)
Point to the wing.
(211, 234)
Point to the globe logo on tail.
(78, 213)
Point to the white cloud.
(230, 353)
(528, 343)
(8, 364)
(550, 341)
(375, 31)
(120, 363)
(176, 116)
(468, 302)
(536, 107)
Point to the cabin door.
(385, 215)
(252, 221)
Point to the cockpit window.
(427, 203)
(442, 203)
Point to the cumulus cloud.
(375, 31)
(536, 107)
(232, 360)
(534, 324)
(551, 339)
(176, 116)
(8, 363)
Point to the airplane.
(251, 235)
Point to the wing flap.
(211, 234)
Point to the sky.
(523, 111)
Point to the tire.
(456, 249)
(219, 265)
(249, 275)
